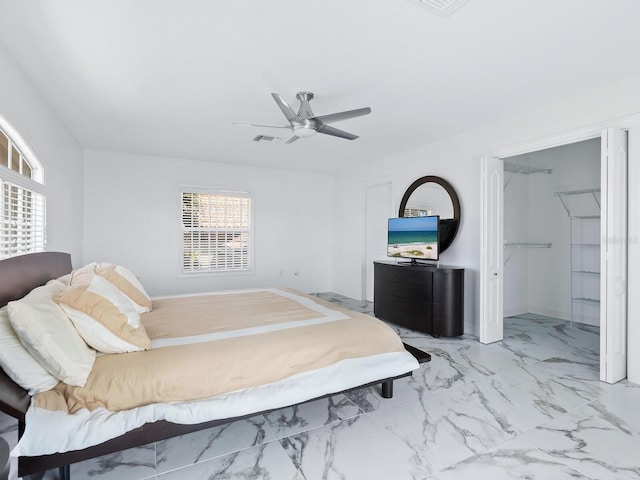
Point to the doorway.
(552, 246)
(613, 261)
(552, 233)
(378, 209)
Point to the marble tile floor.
(530, 406)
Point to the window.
(22, 200)
(216, 230)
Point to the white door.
(613, 257)
(491, 250)
(633, 254)
(378, 209)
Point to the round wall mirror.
(432, 195)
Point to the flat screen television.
(415, 238)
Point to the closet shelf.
(582, 206)
(590, 301)
(593, 192)
(522, 170)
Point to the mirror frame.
(444, 243)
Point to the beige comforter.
(208, 345)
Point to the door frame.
(632, 125)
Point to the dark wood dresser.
(422, 297)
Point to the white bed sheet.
(50, 432)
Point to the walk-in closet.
(552, 235)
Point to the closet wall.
(537, 276)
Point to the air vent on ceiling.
(443, 7)
(266, 138)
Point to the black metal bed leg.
(64, 473)
(387, 389)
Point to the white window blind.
(22, 202)
(216, 231)
(22, 220)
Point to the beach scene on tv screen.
(413, 238)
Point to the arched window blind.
(22, 199)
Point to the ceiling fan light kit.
(305, 124)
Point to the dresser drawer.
(416, 291)
(403, 274)
(413, 314)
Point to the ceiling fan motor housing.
(302, 96)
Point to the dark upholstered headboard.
(19, 275)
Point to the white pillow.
(18, 363)
(127, 283)
(66, 279)
(105, 317)
(88, 268)
(50, 337)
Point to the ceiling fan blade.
(327, 130)
(292, 139)
(259, 125)
(336, 117)
(286, 109)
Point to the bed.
(297, 323)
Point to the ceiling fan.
(305, 124)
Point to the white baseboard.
(550, 312)
(513, 311)
(471, 329)
(594, 321)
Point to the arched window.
(22, 198)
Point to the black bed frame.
(18, 276)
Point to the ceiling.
(169, 77)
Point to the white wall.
(538, 280)
(516, 230)
(132, 217)
(457, 160)
(55, 148)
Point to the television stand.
(423, 297)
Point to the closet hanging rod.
(518, 246)
(524, 169)
(527, 245)
(577, 192)
(585, 217)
